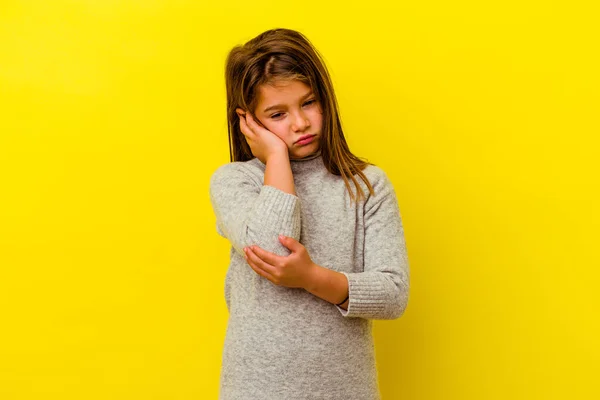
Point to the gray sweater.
(285, 343)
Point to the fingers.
(256, 260)
(258, 270)
(248, 120)
(244, 127)
(246, 130)
(247, 124)
(255, 124)
(260, 267)
(269, 258)
(250, 124)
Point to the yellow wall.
(112, 120)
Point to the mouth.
(305, 139)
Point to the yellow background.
(484, 115)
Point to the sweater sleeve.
(250, 213)
(381, 290)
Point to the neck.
(311, 156)
(307, 164)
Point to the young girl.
(312, 263)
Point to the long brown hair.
(284, 54)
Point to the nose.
(300, 122)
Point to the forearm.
(329, 285)
(278, 173)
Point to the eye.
(276, 116)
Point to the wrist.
(278, 155)
(313, 278)
(329, 285)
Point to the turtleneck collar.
(308, 157)
(309, 163)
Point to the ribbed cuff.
(280, 210)
(366, 294)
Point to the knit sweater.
(285, 343)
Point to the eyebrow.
(282, 105)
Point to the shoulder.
(375, 174)
(379, 180)
(237, 172)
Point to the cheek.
(316, 119)
(278, 128)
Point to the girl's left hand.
(295, 270)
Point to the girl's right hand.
(263, 143)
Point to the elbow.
(398, 306)
(267, 241)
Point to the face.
(290, 110)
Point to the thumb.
(289, 242)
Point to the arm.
(329, 285)
(381, 291)
(278, 173)
(251, 213)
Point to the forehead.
(281, 91)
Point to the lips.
(304, 137)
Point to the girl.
(312, 264)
